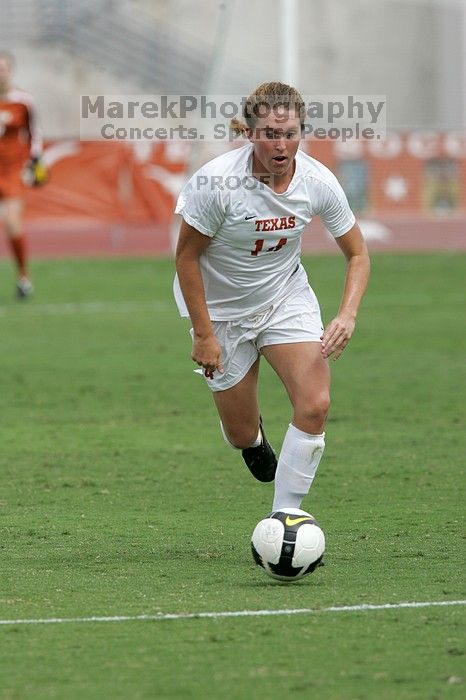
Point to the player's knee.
(314, 412)
(321, 407)
(242, 436)
(13, 228)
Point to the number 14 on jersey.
(260, 245)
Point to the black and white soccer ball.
(288, 544)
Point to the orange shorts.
(11, 181)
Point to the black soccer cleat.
(261, 460)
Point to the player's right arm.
(206, 350)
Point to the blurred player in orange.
(20, 164)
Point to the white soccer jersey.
(253, 258)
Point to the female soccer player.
(240, 280)
(20, 150)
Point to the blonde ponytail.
(238, 127)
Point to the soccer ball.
(288, 544)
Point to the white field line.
(381, 300)
(90, 307)
(101, 307)
(234, 613)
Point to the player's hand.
(337, 336)
(208, 354)
(35, 173)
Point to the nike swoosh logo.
(246, 218)
(295, 521)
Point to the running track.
(93, 239)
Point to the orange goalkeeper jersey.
(20, 138)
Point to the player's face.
(276, 139)
(5, 72)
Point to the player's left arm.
(35, 134)
(339, 331)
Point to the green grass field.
(119, 497)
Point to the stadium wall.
(412, 51)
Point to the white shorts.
(294, 319)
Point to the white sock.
(297, 465)
(256, 442)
